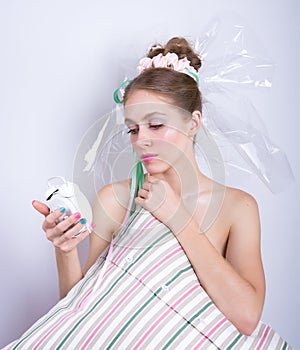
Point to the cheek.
(171, 136)
(165, 143)
(172, 139)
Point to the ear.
(195, 123)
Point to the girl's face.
(159, 131)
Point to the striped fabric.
(149, 298)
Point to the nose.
(143, 137)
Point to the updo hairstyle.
(181, 89)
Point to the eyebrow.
(146, 116)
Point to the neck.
(184, 177)
(193, 187)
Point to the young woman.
(176, 277)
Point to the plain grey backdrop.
(60, 62)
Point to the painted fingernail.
(93, 226)
(62, 209)
(83, 221)
(77, 215)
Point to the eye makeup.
(158, 119)
(155, 122)
(147, 118)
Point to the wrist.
(180, 220)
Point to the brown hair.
(179, 88)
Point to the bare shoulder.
(115, 194)
(231, 203)
(240, 205)
(111, 205)
(244, 226)
(243, 249)
(109, 209)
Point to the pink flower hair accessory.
(170, 60)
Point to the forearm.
(69, 270)
(232, 294)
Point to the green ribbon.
(117, 91)
(137, 180)
(192, 75)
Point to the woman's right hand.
(62, 234)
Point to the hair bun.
(156, 50)
(181, 47)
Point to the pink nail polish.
(77, 215)
(93, 226)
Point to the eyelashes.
(132, 131)
(153, 126)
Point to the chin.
(153, 169)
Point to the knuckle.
(66, 224)
(70, 234)
(70, 220)
(49, 234)
(64, 248)
(75, 232)
(53, 233)
(49, 221)
(59, 242)
(56, 243)
(49, 237)
(61, 248)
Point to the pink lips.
(148, 157)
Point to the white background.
(60, 62)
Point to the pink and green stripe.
(110, 289)
(171, 301)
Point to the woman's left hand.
(158, 197)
